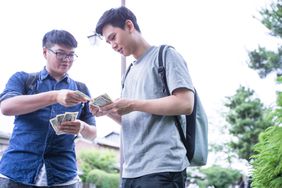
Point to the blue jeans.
(7, 183)
(157, 180)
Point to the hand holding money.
(71, 127)
(68, 97)
(101, 100)
(114, 110)
(98, 102)
(60, 118)
(81, 94)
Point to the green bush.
(102, 179)
(104, 160)
(267, 165)
(220, 177)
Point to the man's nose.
(68, 58)
(114, 45)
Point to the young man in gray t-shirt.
(153, 154)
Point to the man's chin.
(64, 69)
(124, 54)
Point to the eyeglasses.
(63, 56)
(95, 38)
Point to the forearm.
(115, 117)
(88, 132)
(167, 106)
(24, 104)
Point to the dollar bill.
(70, 116)
(83, 95)
(101, 100)
(54, 123)
(60, 118)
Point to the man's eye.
(112, 37)
(61, 54)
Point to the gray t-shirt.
(151, 143)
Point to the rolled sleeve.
(91, 121)
(15, 86)
(87, 116)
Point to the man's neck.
(142, 47)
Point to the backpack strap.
(30, 82)
(126, 73)
(161, 69)
(81, 87)
(162, 72)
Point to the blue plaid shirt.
(34, 142)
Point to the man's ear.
(45, 50)
(129, 25)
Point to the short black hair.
(116, 17)
(60, 37)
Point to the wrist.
(86, 132)
(82, 126)
(55, 96)
(136, 105)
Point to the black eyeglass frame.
(62, 56)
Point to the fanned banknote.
(101, 100)
(60, 118)
(82, 95)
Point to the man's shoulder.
(81, 86)
(21, 75)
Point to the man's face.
(118, 38)
(59, 59)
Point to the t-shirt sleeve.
(177, 72)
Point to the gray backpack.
(196, 139)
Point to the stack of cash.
(83, 95)
(101, 100)
(56, 121)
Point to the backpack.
(30, 83)
(196, 140)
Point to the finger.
(95, 111)
(93, 107)
(101, 113)
(79, 98)
(107, 107)
(69, 129)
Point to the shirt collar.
(145, 53)
(44, 74)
